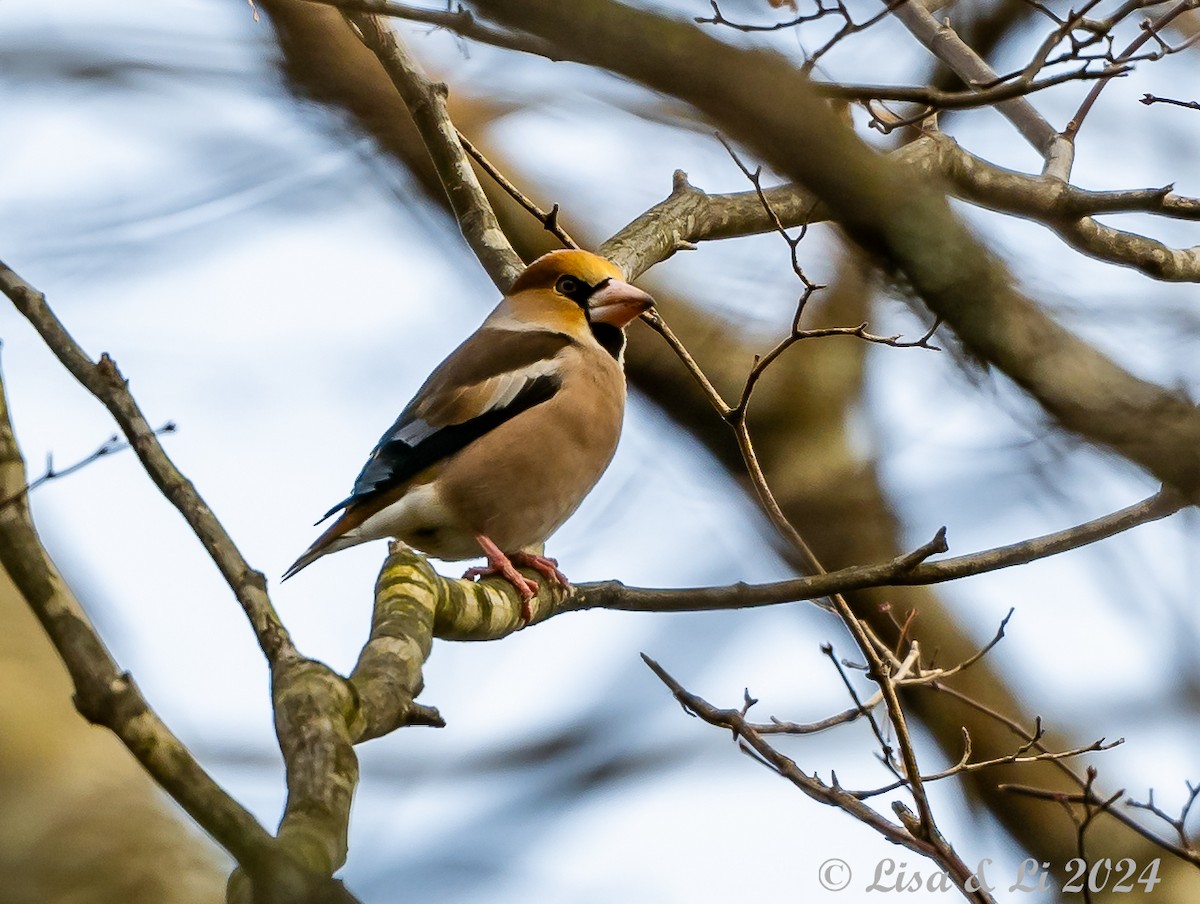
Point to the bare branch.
(823, 9)
(104, 381)
(1018, 757)
(904, 570)
(459, 20)
(387, 676)
(933, 99)
(105, 695)
(909, 835)
(654, 320)
(944, 43)
(689, 215)
(1178, 823)
(426, 102)
(1149, 99)
(1088, 798)
(113, 444)
(1150, 31)
(549, 220)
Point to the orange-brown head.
(573, 291)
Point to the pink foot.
(546, 567)
(500, 564)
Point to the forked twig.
(549, 220)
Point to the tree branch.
(318, 717)
(458, 20)
(936, 99)
(113, 444)
(491, 609)
(689, 215)
(104, 381)
(426, 101)
(107, 696)
(761, 99)
(831, 794)
(944, 43)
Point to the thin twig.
(831, 794)
(654, 320)
(885, 746)
(1178, 823)
(1088, 798)
(1150, 31)
(1021, 756)
(113, 444)
(1149, 99)
(1184, 853)
(933, 99)
(549, 220)
(459, 20)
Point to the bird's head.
(574, 291)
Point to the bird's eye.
(568, 285)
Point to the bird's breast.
(521, 481)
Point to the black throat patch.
(612, 338)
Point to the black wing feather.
(394, 461)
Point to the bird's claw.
(543, 565)
(527, 587)
(503, 565)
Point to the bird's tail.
(334, 539)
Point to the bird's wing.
(489, 379)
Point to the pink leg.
(500, 564)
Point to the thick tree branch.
(689, 216)
(314, 708)
(1066, 211)
(387, 676)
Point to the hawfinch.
(509, 433)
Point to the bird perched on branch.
(509, 433)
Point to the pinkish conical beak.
(618, 303)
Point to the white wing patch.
(492, 394)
